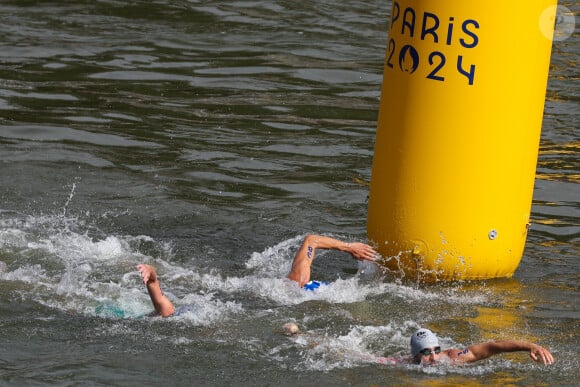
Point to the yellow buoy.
(458, 135)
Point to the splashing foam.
(324, 352)
(273, 264)
(204, 310)
(69, 270)
(66, 269)
(72, 271)
(364, 345)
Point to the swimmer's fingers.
(369, 253)
(371, 257)
(542, 354)
(547, 356)
(362, 251)
(145, 271)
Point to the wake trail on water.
(377, 346)
(71, 266)
(66, 263)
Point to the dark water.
(207, 138)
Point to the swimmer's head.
(290, 329)
(422, 339)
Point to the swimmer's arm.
(379, 359)
(163, 306)
(485, 350)
(358, 250)
(300, 271)
(388, 360)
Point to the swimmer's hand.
(361, 251)
(148, 273)
(538, 353)
(387, 360)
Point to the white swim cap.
(422, 339)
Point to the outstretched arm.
(162, 304)
(300, 271)
(485, 350)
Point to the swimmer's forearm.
(485, 350)
(324, 242)
(500, 346)
(161, 303)
(360, 251)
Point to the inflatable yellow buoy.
(458, 135)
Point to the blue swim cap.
(314, 285)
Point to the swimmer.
(425, 350)
(300, 271)
(300, 268)
(163, 306)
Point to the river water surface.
(207, 138)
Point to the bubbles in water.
(204, 309)
(109, 310)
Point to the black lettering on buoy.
(408, 59)
(408, 22)
(438, 57)
(431, 30)
(450, 31)
(390, 53)
(470, 74)
(473, 35)
(395, 12)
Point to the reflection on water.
(505, 315)
(558, 162)
(207, 138)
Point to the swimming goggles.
(428, 351)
